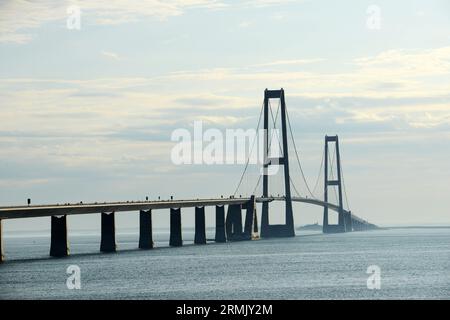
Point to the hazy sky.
(87, 114)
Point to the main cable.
(320, 172)
(251, 150)
(298, 158)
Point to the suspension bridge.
(230, 226)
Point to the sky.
(87, 113)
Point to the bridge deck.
(20, 212)
(89, 208)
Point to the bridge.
(229, 226)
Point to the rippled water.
(415, 263)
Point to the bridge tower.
(287, 229)
(344, 220)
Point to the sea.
(397, 263)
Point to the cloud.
(22, 183)
(211, 101)
(245, 24)
(18, 38)
(80, 122)
(111, 55)
(265, 3)
(220, 120)
(288, 62)
(369, 94)
(278, 16)
(18, 18)
(393, 73)
(418, 63)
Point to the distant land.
(315, 227)
(419, 227)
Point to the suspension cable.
(343, 184)
(274, 120)
(251, 150)
(279, 143)
(293, 185)
(320, 172)
(257, 184)
(298, 158)
(270, 141)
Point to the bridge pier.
(108, 240)
(200, 226)
(234, 229)
(220, 224)
(251, 221)
(58, 244)
(1, 243)
(333, 228)
(176, 239)
(325, 225)
(348, 222)
(233, 222)
(145, 230)
(342, 223)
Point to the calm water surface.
(415, 264)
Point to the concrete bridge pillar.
(1, 243)
(348, 222)
(220, 224)
(234, 222)
(176, 239)
(233, 225)
(342, 221)
(200, 232)
(145, 230)
(325, 225)
(108, 241)
(58, 243)
(251, 221)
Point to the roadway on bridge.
(18, 212)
